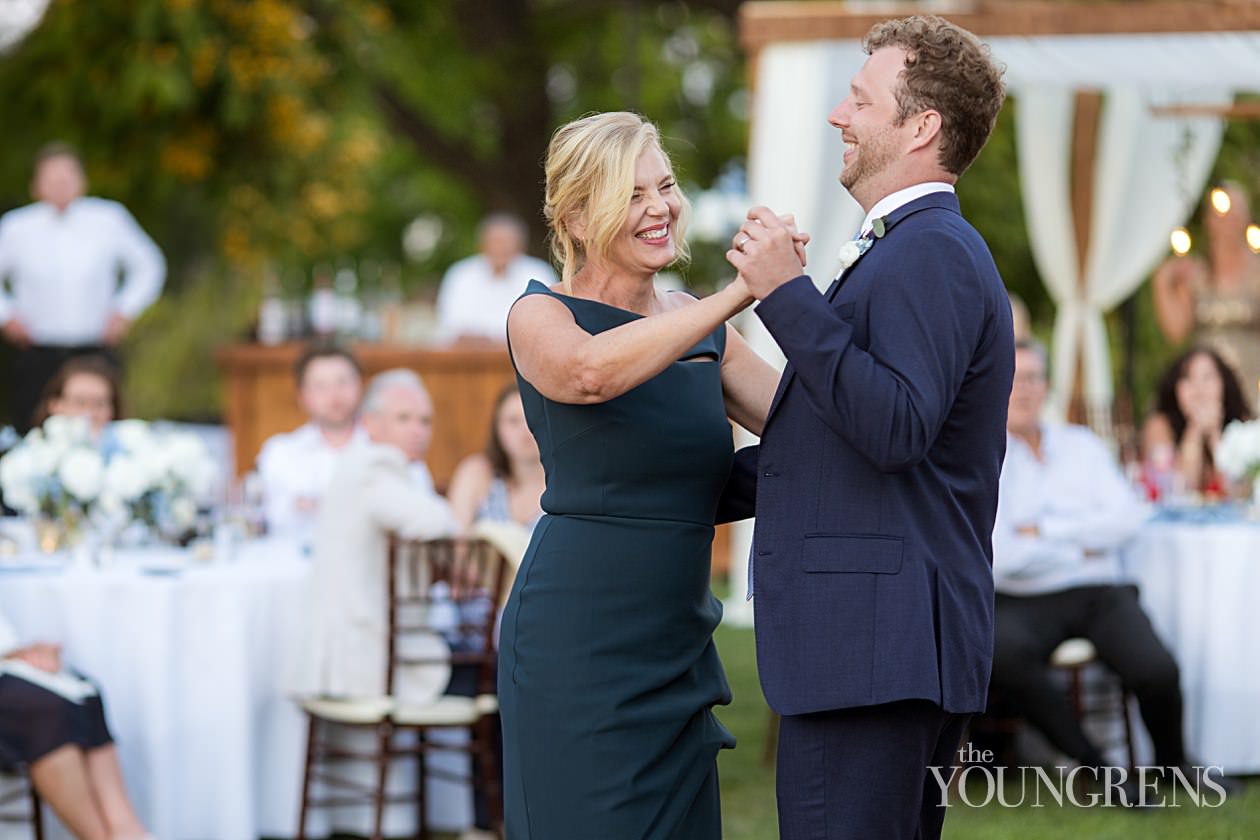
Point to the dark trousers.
(33, 368)
(1027, 629)
(862, 773)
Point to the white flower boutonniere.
(856, 247)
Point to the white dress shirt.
(473, 301)
(62, 269)
(298, 465)
(892, 201)
(1081, 505)
(372, 494)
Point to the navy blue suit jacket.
(877, 476)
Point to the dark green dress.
(607, 670)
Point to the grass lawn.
(748, 810)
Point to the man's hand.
(116, 329)
(42, 655)
(15, 333)
(767, 251)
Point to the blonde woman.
(608, 672)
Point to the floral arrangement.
(1238, 453)
(155, 477)
(133, 473)
(55, 471)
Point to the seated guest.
(505, 483)
(1196, 399)
(53, 722)
(478, 291)
(85, 386)
(1064, 510)
(372, 493)
(295, 467)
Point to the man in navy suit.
(877, 476)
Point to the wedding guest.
(85, 386)
(372, 494)
(62, 256)
(296, 467)
(504, 483)
(1064, 511)
(1196, 398)
(478, 291)
(53, 722)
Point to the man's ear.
(927, 129)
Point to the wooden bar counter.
(260, 396)
(260, 399)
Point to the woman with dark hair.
(505, 483)
(1197, 397)
(85, 386)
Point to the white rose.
(82, 473)
(62, 428)
(19, 476)
(133, 435)
(48, 453)
(126, 478)
(849, 253)
(154, 462)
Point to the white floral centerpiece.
(1238, 454)
(59, 475)
(55, 475)
(155, 477)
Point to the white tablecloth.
(1200, 585)
(193, 665)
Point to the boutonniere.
(854, 248)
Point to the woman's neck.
(616, 287)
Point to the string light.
(1180, 241)
(1220, 201)
(1253, 237)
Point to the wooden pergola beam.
(763, 22)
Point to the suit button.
(768, 474)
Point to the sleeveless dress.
(607, 669)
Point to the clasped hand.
(767, 251)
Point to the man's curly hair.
(948, 70)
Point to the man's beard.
(873, 156)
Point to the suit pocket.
(852, 553)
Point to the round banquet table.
(1199, 577)
(193, 659)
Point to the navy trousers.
(862, 773)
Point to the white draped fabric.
(1148, 175)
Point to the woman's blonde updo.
(590, 175)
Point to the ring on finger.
(743, 240)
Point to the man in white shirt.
(296, 467)
(1064, 511)
(478, 291)
(371, 495)
(61, 257)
